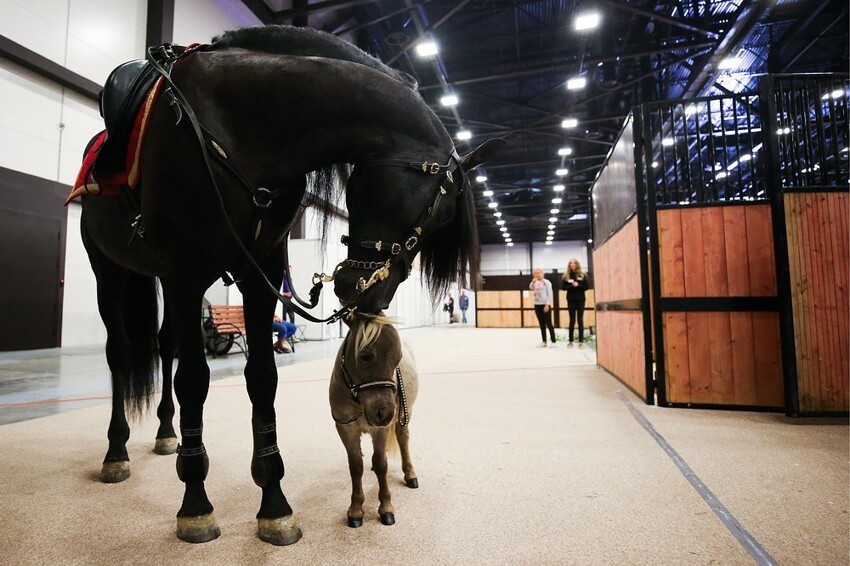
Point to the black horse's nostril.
(380, 414)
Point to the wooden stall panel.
(509, 299)
(616, 266)
(818, 250)
(620, 347)
(488, 299)
(720, 251)
(498, 319)
(723, 358)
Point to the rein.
(355, 389)
(162, 59)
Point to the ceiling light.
(837, 93)
(493, 204)
(509, 240)
(590, 241)
(561, 172)
(497, 214)
(556, 201)
(500, 222)
(730, 63)
(721, 175)
(507, 235)
(427, 48)
(551, 226)
(569, 123)
(481, 178)
(553, 219)
(586, 21)
(464, 135)
(745, 157)
(449, 100)
(580, 216)
(691, 109)
(487, 193)
(654, 164)
(667, 142)
(548, 238)
(548, 242)
(558, 188)
(550, 233)
(576, 83)
(554, 211)
(503, 229)
(510, 244)
(565, 151)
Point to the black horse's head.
(403, 206)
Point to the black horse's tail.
(141, 326)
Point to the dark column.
(160, 26)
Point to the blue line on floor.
(749, 543)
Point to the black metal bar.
(700, 164)
(657, 316)
(738, 166)
(623, 305)
(771, 152)
(719, 304)
(724, 164)
(659, 17)
(724, 407)
(819, 121)
(713, 154)
(160, 23)
(47, 69)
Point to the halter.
(356, 388)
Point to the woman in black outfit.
(575, 284)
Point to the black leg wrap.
(192, 464)
(266, 464)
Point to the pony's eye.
(367, 356)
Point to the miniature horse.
(372, 391)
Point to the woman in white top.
(543, 301)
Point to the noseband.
(406, 249)
(355, 389)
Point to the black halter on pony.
(162, 59)
(356, 388)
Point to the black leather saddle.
(120, 100)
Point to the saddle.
(120, 100)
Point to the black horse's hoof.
(355, 522)
(387, 519)
(412, 483)
(115, 472)
(198, 529)
(280, 531)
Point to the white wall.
(198, 21)
(503, 259)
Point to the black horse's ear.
(481, 153)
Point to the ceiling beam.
(261, 10)
(326, 6)
(659, 17)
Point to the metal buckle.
(449, 176)
(396, 248)
(378, 245)
(266, 197)
(433, 168)
(411, 241)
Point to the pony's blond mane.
(368, 330)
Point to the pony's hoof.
(280, 531)
(165, 446)
(412, 483)
(355, 522)
(387, 519)
(114, 472)
(198, 529)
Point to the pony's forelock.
(368, 330)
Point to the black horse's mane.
(307, 42)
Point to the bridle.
(161, 59)
(355, 389)
(405, 250)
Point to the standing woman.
(543, 301)
(575, 284)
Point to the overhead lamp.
(730, 63)
(507, 235)
(556, 200)
(503, 229)
(548, 242)
(554, 211)
(481, 178)
(500, 222)
(449, 100)
(579, 216)
(561, 172)
(721, 175)
(510, 244)
(565, 151)
(550, 233)
(667, 142)
(551, 226)
(785, 130)
(548, 239)
(497, 214)
(590, 240)
(553, 219)
(576, 83)
(558, 188)
(745, 157)
(464, 135)
(569, 123)
(493, 204)
(487, 193)
(691, 109)
(586, 21)
(427, 48)
(654, 164)
(509, 239)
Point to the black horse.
(280, 103)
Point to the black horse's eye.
(367, 356)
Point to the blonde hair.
(578, 270)
(368, 329)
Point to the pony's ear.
(481, 153)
